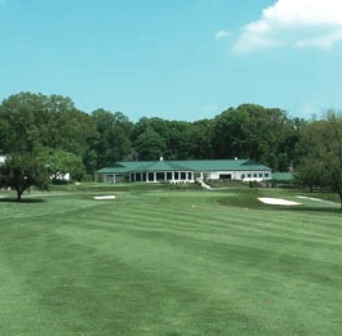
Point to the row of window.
(161, 176)
(255, 175)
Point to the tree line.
(66, 139)
(43, 125)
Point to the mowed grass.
(171, 263)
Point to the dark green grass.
(170, 263)
(107, 187)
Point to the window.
(225, 177)
(249, 175)
(160, 176)
(255, 175)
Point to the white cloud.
(298, 23)
(325, 41)
(222, 34)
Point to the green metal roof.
(217, 165)
(286, 177)
(182, 165)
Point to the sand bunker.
(107, 197)
(277, 201)
(314, 199)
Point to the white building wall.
(248, 175)
(63, 177)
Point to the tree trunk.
(19, 194)
(339, 191)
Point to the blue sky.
(175, 59)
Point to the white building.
(183, 171)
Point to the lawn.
(169, 263)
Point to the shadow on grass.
(297, 208)
(312, 209)
(23, 201)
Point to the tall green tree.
(321, 153)
(178, 140)
(113, 141)
(229, 137)
(201, 139)
(30, 121)
(251, 131)
(60, 163)
(176, 135)
(150, 146)
(20, 131)
(22, 171)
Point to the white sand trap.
(108, 197)
(277, 201)
(314, 199)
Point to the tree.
(112, 143)
(30, 121)
(229, 138)
(251, 131)
(176, 136)
(178, 141)
(201, 139)
(60, 163)
(150, 145)
(19, 128)
(321, 148)
(23, 171)
(73, 129)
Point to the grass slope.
(170, 263)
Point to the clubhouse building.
(184, 171)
